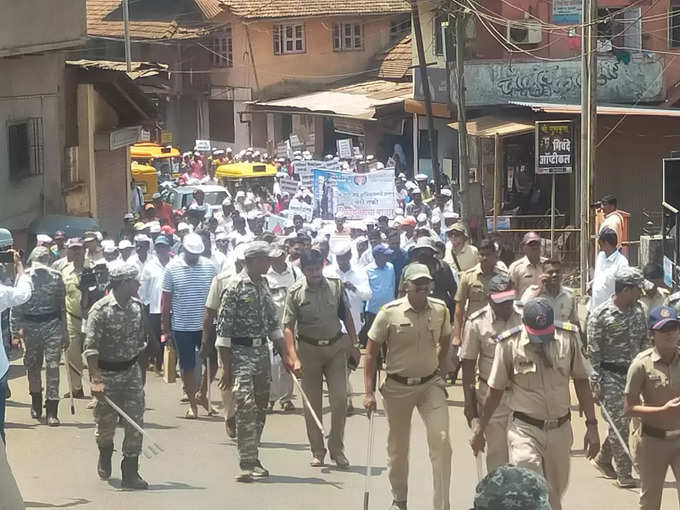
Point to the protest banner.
(288, 185)
(345, 148)
(358, 196)
(276, 224)
(202, 145)
(303, 209)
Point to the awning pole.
(497, 180)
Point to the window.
(26, 151)
(399, 28)
(222, 47)
(674, 26)
(289, 39)
(438, 33)
(222, 120)
(348, 37)
(621, 28)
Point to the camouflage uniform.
(247, 313)
(615, 337)
(42, 319)
(116, 335)
(512, 487)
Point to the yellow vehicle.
(146, 177)
(237, 175)
(166, 160)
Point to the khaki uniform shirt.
(524, 274)
(217, 287)
(657, 382)
(467, 257)
(472, 288)
(73, 294)
(480, 334)
(564, 304)
(538, 390)
(315, 311)
(412, 337)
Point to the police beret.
(123, 271)
(256, 249)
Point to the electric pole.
(464, 174)
(588, 129)
(126, 23)
(436, 174)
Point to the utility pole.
(588, 130)
(436, 174)
(126, 23)
(464, 174)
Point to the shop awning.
(491, 125)
(358, 101)
(575, 109)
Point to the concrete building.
(34, 38)
(281, 50)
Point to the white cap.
(422, 218)
(446, 192)
(421, 177)
(436, 217)
(193, 244)
(229, 149)
(342, 248)
(154, 227)
(222, 236)
(183, 226)
(240, 193)
(226, 201)
(253, 215)
(449, 215)
(410, 185)
(124, 244)
(108, 245)
(43, 239)
(142, 238)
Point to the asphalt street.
(55, 467)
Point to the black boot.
(131, 479)
(36, 405)
(52, 419)
(104, 464)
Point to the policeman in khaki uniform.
(74, 313)
(536, 360)
(526, 271)
(479, 347)
(652, 394)
(417, 332)
(315, 304)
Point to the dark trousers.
(368, 322)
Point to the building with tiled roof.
(262, 9)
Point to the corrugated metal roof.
(491, 125)
(154, 20)
(395, 62)
(253, 9)
(358, 101)
(139, 69)
(601, 109)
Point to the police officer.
(247, 317)
(653, 375)
(536, 360)
(617, 332)
(479, 347)
(526, 271)
(550, 286)
(316, 305)
(417, 332)
(42, 320)
(74, 313)
(115, 338)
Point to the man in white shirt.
(280, 277)
(357, 291)
(374, 239)
(150, 291)
(136, 198)
(608, 261)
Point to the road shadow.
(73, 502)
(300, 447)
(115, 483)
(361, 470)
(283, 479)
(14, 425)
(14, 403)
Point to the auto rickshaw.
(165, 159)
(146, 177)
(235, 176)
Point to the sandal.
(203, 400)
(190, 414)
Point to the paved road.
(55, 467)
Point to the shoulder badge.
(568, 326)
(437, 301)
(391, 304)
(509, 333)
(477, 314)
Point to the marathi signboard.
(345, 148)
(566, 12)
(358, 196)
(202, 145)
(554, 147)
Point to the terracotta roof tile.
(148, 21)
(395, 62)
(253, 9)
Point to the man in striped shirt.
(185, 288)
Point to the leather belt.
(648, 430)
(247, 341)
(542, 424)
(116, 366)
(320, 342)
(617, 368)
(43, 317)
(412, 381)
